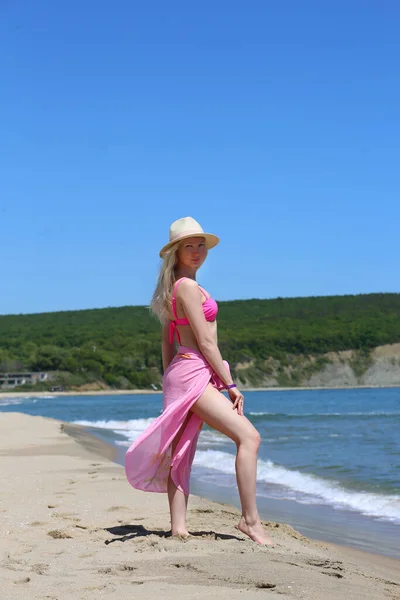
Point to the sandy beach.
(72, 527)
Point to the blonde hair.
(161, 302)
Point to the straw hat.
(185, 228)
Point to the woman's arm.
(190, 297)
(167, 349)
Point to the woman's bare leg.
(177, 500)
(178, 507)
(216, 410)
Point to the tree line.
(121, 346)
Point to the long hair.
(161, 302)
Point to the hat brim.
(211, 241)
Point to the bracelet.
(229, 387)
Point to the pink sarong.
(149, 459)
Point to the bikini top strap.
(176, 284)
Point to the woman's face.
(192, 252)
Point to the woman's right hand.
(237, 398)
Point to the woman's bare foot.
(181, 535)
(255, 532)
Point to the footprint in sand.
(328, 564)
(66, 516)
(40, 568)
(126, 568)
(27, 549)
(56, 534)
(123, 569)
(333, 574)
(105, 570)
(24, 580)
(336, 564)
(12, 564)
(116, 508)
(186, 566)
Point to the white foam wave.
(133, 428)
(129, 429)
(27, 399)
(330, 414)
(291, 484)
(308, 488)
(10, 401)
(212, 438)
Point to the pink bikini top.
(210, 310)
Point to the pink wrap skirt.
(149, 460)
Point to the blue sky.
(274, 124)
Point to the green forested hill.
(122, 345)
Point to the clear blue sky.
(274, 123)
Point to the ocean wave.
(274, 415)
(10, 401)
(25, 399)
(130, 429)
(133, 428)
(213, 438)
(283, 482)
(308, 488)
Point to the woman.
(160, 459)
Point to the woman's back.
(185, 333)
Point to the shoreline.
(61, 543)
(318, 522)
(30, 394)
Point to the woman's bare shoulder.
(187, 282)
(188, 287)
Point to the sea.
(329, 461)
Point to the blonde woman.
(160, 459)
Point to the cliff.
(377, 367)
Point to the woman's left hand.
(237, 398)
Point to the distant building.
(12, 380)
